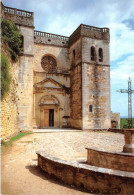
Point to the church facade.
(62, 81)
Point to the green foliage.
(5, 75)
(14, 138)
(19, 136)
(124, 123)
(12, 38)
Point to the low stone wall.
(116, 130)
(94, 179)
(110, 160)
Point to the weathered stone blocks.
(85, 82)
(111, 160)
(94, 179)
(129, 141)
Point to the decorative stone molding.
(18, 16)
(49, 99)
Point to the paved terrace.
(19, 170)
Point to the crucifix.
(129, 91)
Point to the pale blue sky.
(64, 16)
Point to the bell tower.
(90, 78)
(95, 78)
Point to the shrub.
(5, 75)
(12, 38)
(124, 123)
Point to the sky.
(64, 16)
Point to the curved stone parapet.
(94, 179)
(111, 160)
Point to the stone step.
(53, 130)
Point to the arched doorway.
(49, 112)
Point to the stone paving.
(19, 163)
(71, 145)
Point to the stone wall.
(110, 160)
(25, 93)
(95, 85)
(60, 110)
(96, 93)
(9, 107)
(88, 82)
(25, 81)
(95, 32)
(60, 54)
(76, 85)
(91, 32)
(24, 70)
(94, 179)
(82, 30)
(9, 125)
(52, 85)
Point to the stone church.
(62, 81)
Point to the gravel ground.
(72, 144)
(20, 174)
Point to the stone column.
(25, 80)
(34, 118)
(60, 115)
(41, 117)
(129, 141)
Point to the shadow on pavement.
(34, 169)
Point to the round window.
(48, 63)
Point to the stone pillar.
(25, 80)
(61, 115)
(129, 141)
(34, 117)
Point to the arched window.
(73, 62)
(100, 55)
(49, 64)
(93, 54)
(90, 108)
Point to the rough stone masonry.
(62, 81)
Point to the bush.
(12, 38)
(5, 75)
(124, 123)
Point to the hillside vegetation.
(5, 75)
(12, 38)
(11, 43)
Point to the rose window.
(48, 63)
